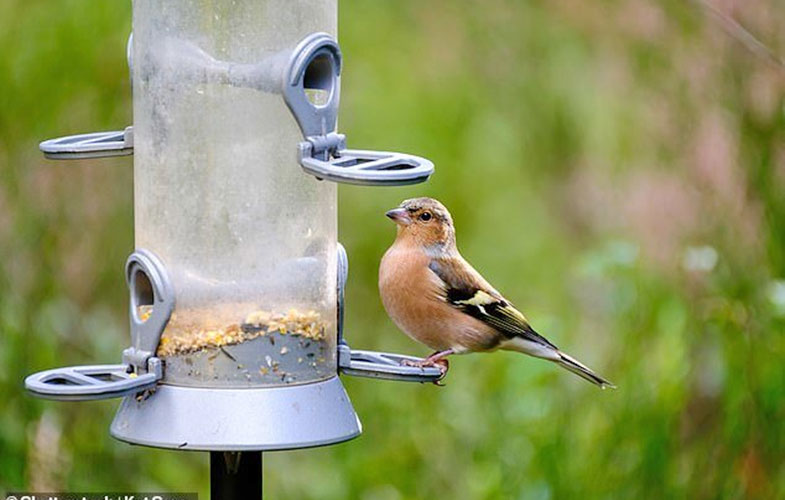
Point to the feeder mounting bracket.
(140, 370)
(315, 66)
(151, 302)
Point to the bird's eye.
(425, 216)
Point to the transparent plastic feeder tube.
(248, 240)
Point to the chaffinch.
(440, 300)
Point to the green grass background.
(616, 168)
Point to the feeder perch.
(236, 284)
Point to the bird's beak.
(400, 216)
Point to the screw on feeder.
(263, 379)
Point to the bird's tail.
(581, 370)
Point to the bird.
(437, 298)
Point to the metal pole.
(235, 475)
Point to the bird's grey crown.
(438, 210)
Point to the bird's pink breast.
(412, 296)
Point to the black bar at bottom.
(235, 475)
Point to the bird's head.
(426, 222)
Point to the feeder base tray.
(280, 418)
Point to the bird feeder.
(236, 283)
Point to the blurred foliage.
(615, 168)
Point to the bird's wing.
(466, 290)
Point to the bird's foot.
(437, 360)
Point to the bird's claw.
(444, 366)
